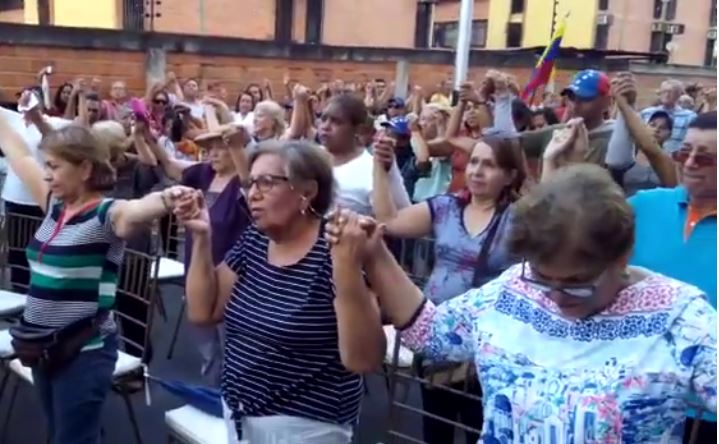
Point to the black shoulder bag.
(483, 257)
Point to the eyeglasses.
(583, 291)
(701, 159)
(264, 183)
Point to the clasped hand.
(190, 210)
(353, 237)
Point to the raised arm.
(267, 88)
(420, 146)
(37, 119)
(20, 159)
(299, 122)
(359, 325)
(568, 145)
(172, 85)
(131, 217)
(238, 139)
(416, 100)
(172, 167)
(412, 221)
(139, 137)
(73, 101)
(208, 287)
(425, 328)
(661, 163)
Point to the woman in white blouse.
(338, 132)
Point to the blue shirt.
(660, 245)
(681, 118)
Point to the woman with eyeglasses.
(572, 344)
(296, 344)
(218, 177)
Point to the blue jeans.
(72, 400)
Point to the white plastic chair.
(11, 304)
(188, 425)
(169, 270)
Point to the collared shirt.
(662, 246)
(681, 118)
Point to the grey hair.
(676, 85)
(304, 162)
(275, 112)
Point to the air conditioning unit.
(675, 28)
(658, 27)
(605, 19)
(712, 34)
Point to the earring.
(303, 210)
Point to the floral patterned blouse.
(626, 375)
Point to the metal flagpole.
(461, 61)
(201, 13)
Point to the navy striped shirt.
(281, 350)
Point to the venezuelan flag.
(544, 70)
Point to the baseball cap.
(588, 84)
(397, 102)
(398, 125)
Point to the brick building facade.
(113, 55)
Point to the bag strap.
(483, 257)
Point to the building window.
(710, 54)
(514, 35)
(133, 15)
(446, 34)
(713, 14)
(601, 37)
(659, 41)
(671, 10)
(11, 5)
(517, 7)
(604, 5)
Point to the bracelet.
(167, 205)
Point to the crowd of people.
(573, 265)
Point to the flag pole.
(461, 61)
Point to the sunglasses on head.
(700, 158)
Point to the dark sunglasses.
(395, 106)
(700, 159)
(264, 183)
(582, 291)
(160, 102)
